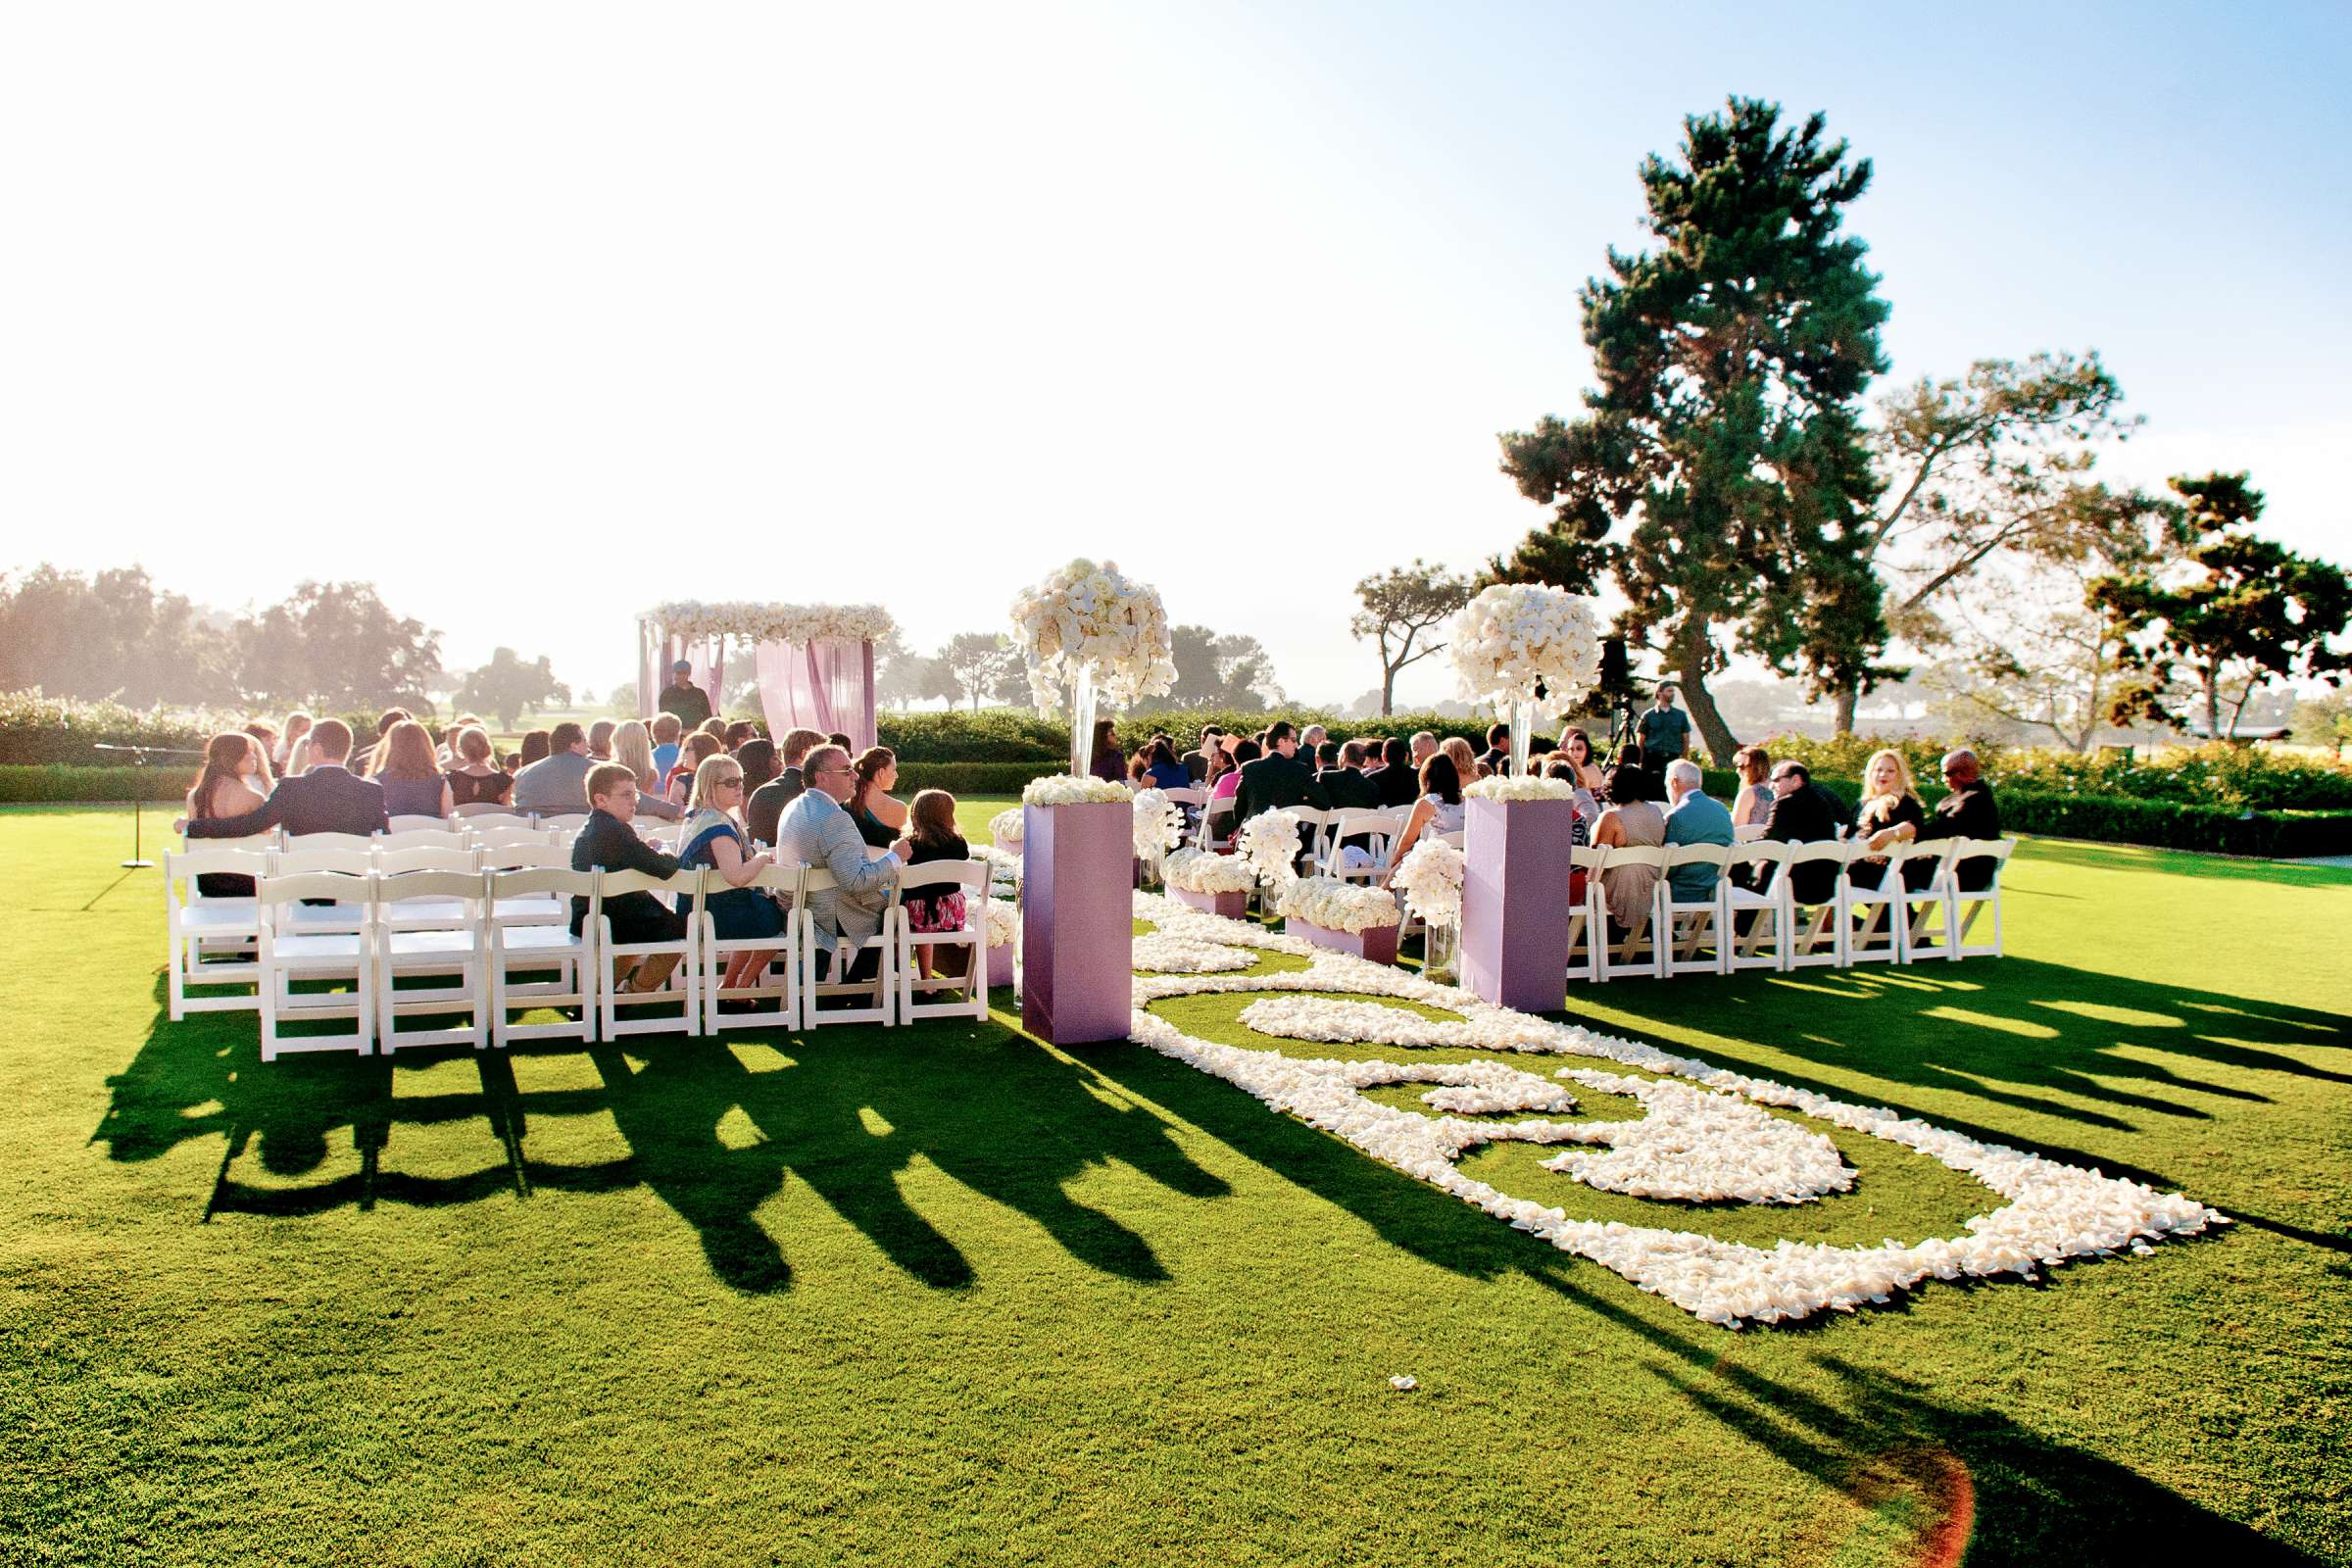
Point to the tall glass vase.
(1082, 722)
(1523, 730)
(1442, 952)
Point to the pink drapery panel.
(825, 686)
(649, 667)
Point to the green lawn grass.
(943, 1293)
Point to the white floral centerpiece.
(1430, 876)
(1511, 787)
(1200, 871)
(1069, 790)
(1337, 906)
(1159, 826)
(1006, 828)
(1517, 644)
(1004, 922)
(1269, 842)
(1091, 632)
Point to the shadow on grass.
(845, 1110)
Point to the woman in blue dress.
(716, 840)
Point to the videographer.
(1665, 730)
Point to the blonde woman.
(475, 778)
(1889, 798)
(1466, 766)
(716, 840)
(293, 743)
(633, 749)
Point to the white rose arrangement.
(1086, 616)
(1430, 876)
(783, 623)
(1509, 787)
(1004, 922)
(1061, 790)
(1269, 842)
(1006, 828)
(1003, 870)
(1516, 636)
(1198, 872)
(1337, 906)
(1159, 824)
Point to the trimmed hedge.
(21, 784)
(972, 778)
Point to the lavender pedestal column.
(1515, 902)
(1078, 921)
(999, 966)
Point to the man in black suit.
(1278, 780)
(766, 808)
(1967, 812)
(1497, 755)
(1342, 776)
(328, 798)
(1800, 815)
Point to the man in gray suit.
(816, 831)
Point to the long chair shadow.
(848, 1113)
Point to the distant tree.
(901, 676)
(112, 634)
(1230, 671)
(1400, 606)
(1986, 467)
(1731, 360)
(2323, 720)
(335, 646)
(978, 664)
(2248, 613)
(508, 687)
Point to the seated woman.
(291, 748)
(404, 766)
(931, 829)
(879, 818)
(1632, 820)
(1466, 766)
(1108, 763)
(699, 748)
(1888, 797)
(1752, 806)
(633, 749)
(1439, 810)
(234, 781)
(536, 744)
(1163, 772)
(608, 843)
(1228, 786)
(1577, 747)
(473, 779)
(716, 841)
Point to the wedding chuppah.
(814, 663)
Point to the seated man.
(608, 843)
(557, 785)
(766, 808)
(1279, 780)
(1800, 815)
(816, 831)
(1342, 778)
(1967, 812)
(1694, 818)
(328, 798)
(1497, 758)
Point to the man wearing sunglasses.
(816, 831)
(1967, 812)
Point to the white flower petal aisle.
(1703, 1136)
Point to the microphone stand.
(139, 861)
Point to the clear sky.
(537, 314)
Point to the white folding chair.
(1968, 902)
(521, 940)
(1218, 824)
(196, 926)
(1585, 914)
(1747, 833)
(567, 822)
(1758, 903)
(488, 816)
(1685, 925)
(409, 822)
(679, 990)
(1923, 937)
(318, 843)
(354, 858)
(429, 925)
(318, 950)
(1381, 827)
(779, 979)
(840, 955)
(422, 838)
(1639, 950)
(1189, 801)
(1802, 947)
(969, 998)
(482, 810)
(1870, 918)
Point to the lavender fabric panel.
(1077, 923)
(1515, 902)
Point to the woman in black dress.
(1888, 798)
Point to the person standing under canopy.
(684, 698)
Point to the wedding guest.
(716, 840)
(1665, 728)
(682, 699)
(700, 747)
(1577, 747)
(1889, 795)
(1163, 769)
(445, 748)
(606, 841)
(473, 780)
(1967, 812)
(738, 732)
(599, 741)
(633, 749)
(816, 831)
(536, 744)
(837, 738)
(265, 732)
(1396, 785)
(328, 798)
(231, 783)
(1752, 806)
(1466, 766)
(715, 728)
(365, 762)
(878, 816)
(1631, 820)
(1108, 764)
(408, 773)
(1439, 809)
(770, 799)
(1278, 781)
(1197, 763)
(1342, 776)
(1425, 745)
(1311, 741)
(1139, 769)
(1801, 815)
(557, 785)
(759, 759)
(667, 733)
(1694, 818)
(1496, 758)
(932, 835)
(296, 730)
